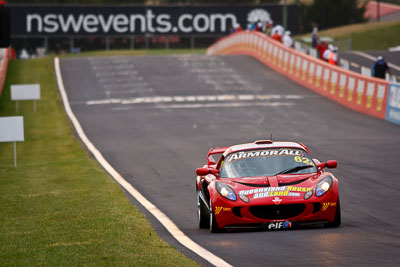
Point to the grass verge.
(366, 36)
(58, 207)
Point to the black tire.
(213, 222)
(338, 216)
(202, 213)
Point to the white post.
(15, 154)
(34, 105)
(16, 106)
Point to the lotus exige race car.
(269, 184)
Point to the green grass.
(139, 52)
(366, 36)
(58, 207)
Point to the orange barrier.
(3, 69)
(360, 93)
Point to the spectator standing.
(287, 40)
(277, 37)
(279, 29)
(321, 47)
(314, 37)
(238, 28)
(333, 56)
(327, 53)
(268, 29)
(259, 26)
(380, 68)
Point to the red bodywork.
(275, 202)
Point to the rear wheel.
(202, 213)
(213, 222)
(338, 217)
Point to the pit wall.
(4, 57)
(368, 95)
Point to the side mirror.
(206, 171)
(331, 164)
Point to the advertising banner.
(82, 20)
(393, 103)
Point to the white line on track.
(198, 98)
(362, 54)
(217, 105)
(119, 73)
(158, 214)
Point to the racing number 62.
(302, 160)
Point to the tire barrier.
(368, 95)
(4, 57)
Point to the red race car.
(268, 184)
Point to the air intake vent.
(254, 185)
(263, 142)
(293, 183)
(236, 211)
(277, 212)
(316, 207)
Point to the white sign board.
(11, 129)
(25, 92)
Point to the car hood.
(271, 181)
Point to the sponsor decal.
(277, 200)
(264, 153)
(149, 21)
(279, 225)
(140, 19)
(219, 209)
(326, 205)
(293, 191)
(393, 103)
(259, 14)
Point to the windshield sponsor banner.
(293, 191)
(137, 19)
(264, 153)
(393, 103)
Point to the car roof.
(261, 144)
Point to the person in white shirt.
(279, 29)
(287, 40)
(327, 52)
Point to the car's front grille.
(236, 211)
(277, 212)
(316, 207)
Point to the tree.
(332, 13)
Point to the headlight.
(323, 186)
(244, 198)
(225, 191)
(308, 194)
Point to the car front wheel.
(338, 216)
(213, 222)
(202, 213)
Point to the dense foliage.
(142, 1)
(331, 13)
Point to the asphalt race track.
(390, 57)
(154, 118)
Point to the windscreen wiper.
(294, 169)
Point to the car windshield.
(266, 162)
